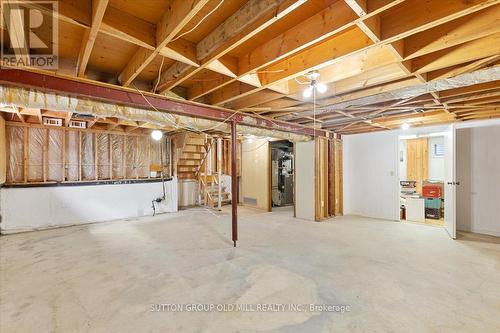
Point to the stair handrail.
(207, 151)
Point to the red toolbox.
(431, 191)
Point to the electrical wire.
(269, 71)
(183, 34)
(177, 126)
(198, 24)
(301, 82)
(159, 74)
(254, 149)
(314, 111)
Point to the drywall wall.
(32, 208)
(255, 173)
(436, 163)
(478, 171)
(369, 162)
(3, 151)
(402, 160)
(304, 180)
(370, 173)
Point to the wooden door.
(417, 161)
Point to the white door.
(450, 182)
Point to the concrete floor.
(104, 277)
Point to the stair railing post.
(234, 184)
(205, 169)
(219, 173)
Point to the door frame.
(408, 135)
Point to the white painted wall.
(304, 180)
(370, 164)
(31, 208)
(436, 163)
(371, 190)
(402, 164)
(478, 171)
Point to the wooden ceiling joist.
(285, 69)
(124, 96)
(178, 14)
(251, 56)
(249, 20)
(98, 9)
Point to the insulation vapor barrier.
(117, 143)
(15, 136)
(32, 98)
(72, 159)
(55, 156)
(480, 76)
(103, 162)
(35, 154)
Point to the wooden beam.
(257, 15)
(67, 120)
(178, 14)
(129, 28)
(113, 125)
(332, 101)
(199, 89)
(413, 16)
(462, 30)
(19, 115)
(39, 115)
(439, 15)
(126, 96)
(90, 35)
(461, 69)
(470, 51)
(255, 99)
(360, 7)
(319, 27)
(92, 122)
(226, 65)
(468, 90)
(236, 88)
(181, 50)
(315, 57)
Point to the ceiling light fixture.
(314, 84)
(156, 135)
(405, 126)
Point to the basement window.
(438, 150)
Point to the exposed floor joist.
(248, 55)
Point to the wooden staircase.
(192, 155)
(209, 189)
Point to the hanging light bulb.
(307, 93)
(156, 135)
(321, 87)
